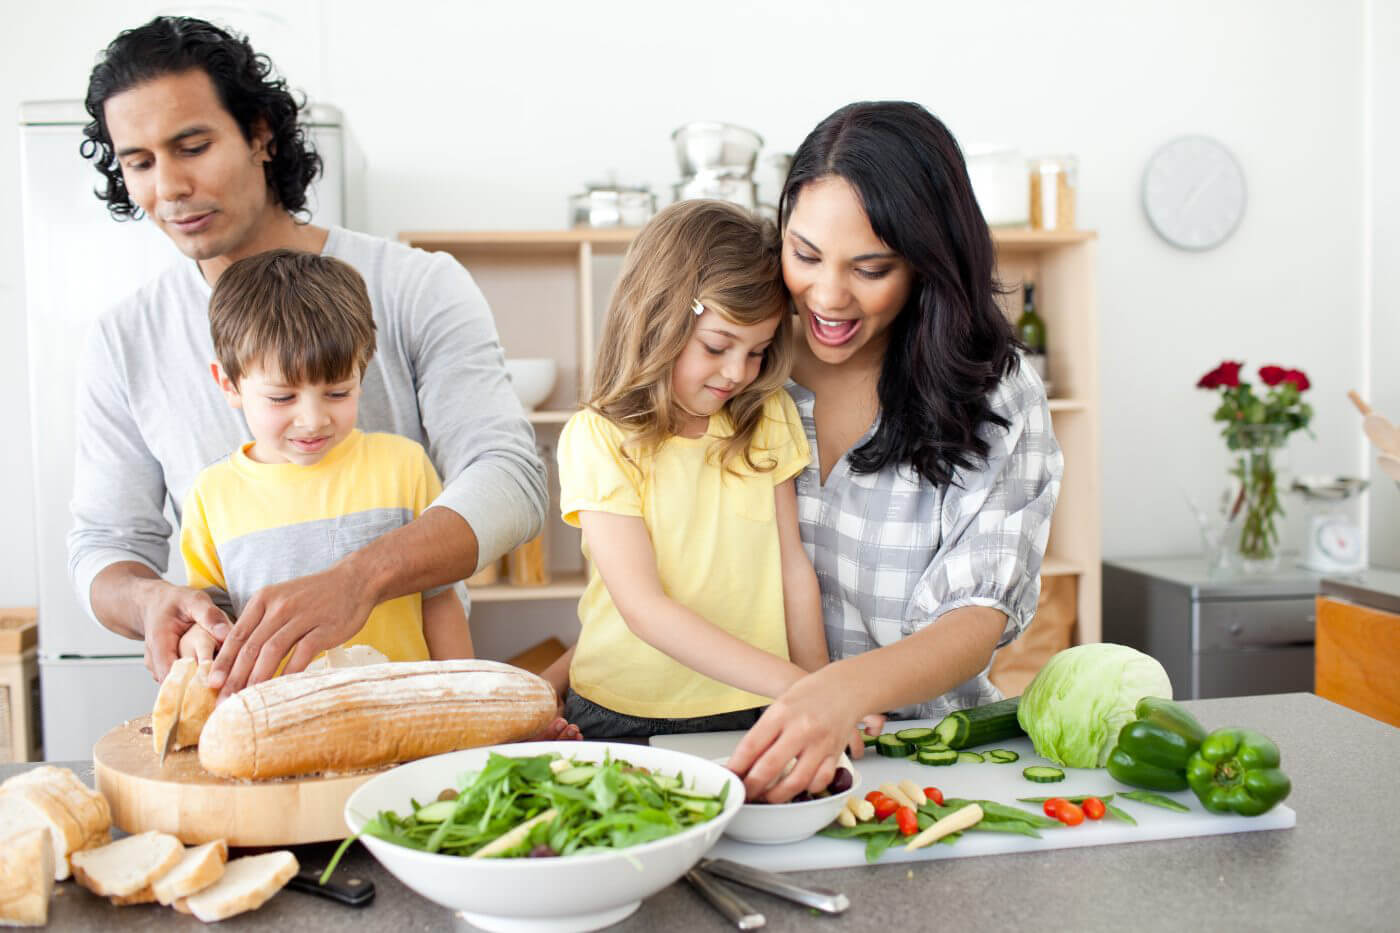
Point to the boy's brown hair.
(727, 259)
(308, 315)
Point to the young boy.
(293, 334)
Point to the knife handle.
(823, 899)
(353, 892)
(734, 908)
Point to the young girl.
(701, 603)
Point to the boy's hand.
(300, 618)
(168, 613)
(198, 644)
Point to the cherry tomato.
(934, 794)
(907, 821)
(884, 807)
(873, 796)
(1052, 807)
(1070, 813)
(1093, 808)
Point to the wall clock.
(1193, 192)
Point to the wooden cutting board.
(181, 798)
(986, 781)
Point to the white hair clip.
(697, 307)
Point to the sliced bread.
(26, 878)
(247, 884)
(198, 703)
(168, 701)
(124, 867)
(144, 896)
(23, 809)
(200, 867)
(87, 806)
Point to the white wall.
(482, 115)
(1384, 273)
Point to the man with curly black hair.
(195, 131)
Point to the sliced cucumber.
(969, 758)
(1042, 774)
(578, 774)
(869, 740)
(1002, 756)
(916, 737)
(436, 812)
(994, 722)
(890, 746)
(935, 756)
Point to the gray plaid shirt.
(893, 553)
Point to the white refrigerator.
(78, 262)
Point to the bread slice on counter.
(247, 884)
(365, 717)
(74, 816)
(144, 896)
(168, 701)
(26, 878)
(196, 705)
(124, 867)
(199, 868)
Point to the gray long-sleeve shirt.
(150, 416)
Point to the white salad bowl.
(541, 895)
(779, 823)
(532, 378)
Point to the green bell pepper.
(1236, 771)
(1153, 750)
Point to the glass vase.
(1255, 498)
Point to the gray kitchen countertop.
(1336, 870)
(1376, 588)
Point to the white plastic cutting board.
(1002, 783)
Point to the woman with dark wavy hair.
(927, 506)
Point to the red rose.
(1226, 374)
(1298, 378)
(1273, 375)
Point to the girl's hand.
(812, 722)
(197, 643)
(872, 724)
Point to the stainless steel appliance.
(1217, 635)
(78, 262)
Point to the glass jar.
(1253, 502)
(1053, 183)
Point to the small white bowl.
(779, 823)
(532, 378)
(541, 895)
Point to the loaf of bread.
(74, 816)
(195, 707)
(26, 878)
(366, 717)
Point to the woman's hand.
(813, 721)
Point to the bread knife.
(170, 737)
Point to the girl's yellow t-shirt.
(715, 536)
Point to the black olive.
(840, 782)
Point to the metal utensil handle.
(823, 899)
(734, 908)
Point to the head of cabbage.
(1080, 700)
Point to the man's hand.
(168, 614)
(301, 617)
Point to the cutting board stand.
(1000, 782)
(181, 798)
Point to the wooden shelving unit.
(548, 290)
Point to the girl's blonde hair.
(727, 259)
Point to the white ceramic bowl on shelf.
(532, 378)
(780, 823)
(541, 895)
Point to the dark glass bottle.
(1031, 329)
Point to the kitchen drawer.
(1230, 625)
(1252, 673)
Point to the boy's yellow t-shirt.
(715, 536)
(249, 524)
